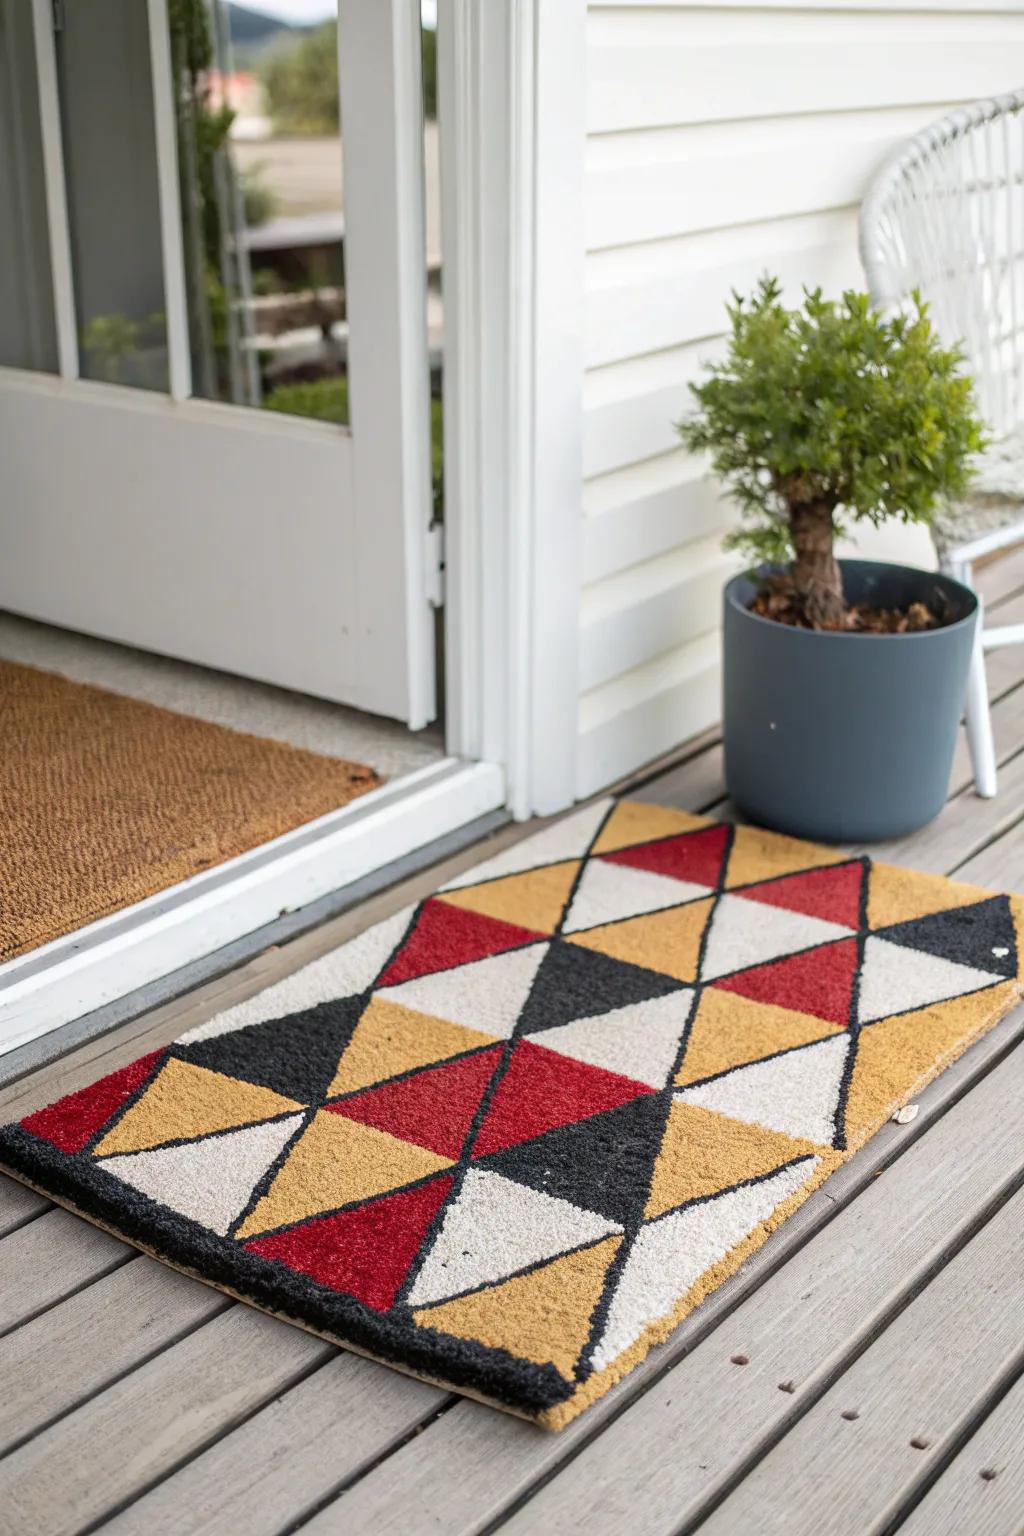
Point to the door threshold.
(108, 959)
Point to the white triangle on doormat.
(341, 973)
(640, 1041)
(672, 1252)
(567, 839)
(494, 1229)
(897, 979)
(488, 994)
(209, 1181)
(747, 933)
(796, 1092)
(608, 893)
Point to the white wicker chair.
(945, 215)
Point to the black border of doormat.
(88, 1191)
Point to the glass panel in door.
(260, 161)
(109, 138)
(28, 333)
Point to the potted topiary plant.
(844, 679)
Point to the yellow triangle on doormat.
(534, 900)
(731, 1031)
(334, 1163)
(632, 822)
(899, 895)
(703, 1152)
(897, 1056)
(758, 855)
(543, 1316)
(390, 1040)
(668, 942)
(185, 1100)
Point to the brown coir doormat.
(508, 1138)
(105, 800)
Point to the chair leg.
(979, 722)
(977, 715)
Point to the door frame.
(511, 84)
(512, 90)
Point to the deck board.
(50, 1258)
(914, 1392)
(100, 1333)
(982, 1490)
(137, 1399)
(320, 1435)
(117, 1445)
(18, 1205)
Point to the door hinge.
(434, 563)
(59, 15)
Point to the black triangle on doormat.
(297, 1055)
(981, 935)
(577, 983)
(602, 1163)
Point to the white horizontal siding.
(630, 408)
(651, 608)
(659, 183)
(672, 65)
(656, 296)
(724, 139)
(647, 711)
(647, 509)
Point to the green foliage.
(831, 405)
(321, 399)
(200, 124)
(300, 80)
(327, 400)
(259, 202)
(301, 83)
(108, 342)
(217, 310)
(211, 127)
(428, 54)
(190, 33)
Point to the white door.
(292, 550)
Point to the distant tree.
(429, 55)
(301, 83)
(300, 80)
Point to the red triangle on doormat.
(542, 1089)
(446, 936)
(832, 894)
(71, 1123)
(817, 981)
(693, 856)
(365, 1251)
(433, 1108)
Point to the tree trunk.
(816, 575)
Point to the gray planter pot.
(839, 737)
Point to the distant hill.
(253, 32)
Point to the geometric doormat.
(508, 1138)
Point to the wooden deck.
(883, 1387)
